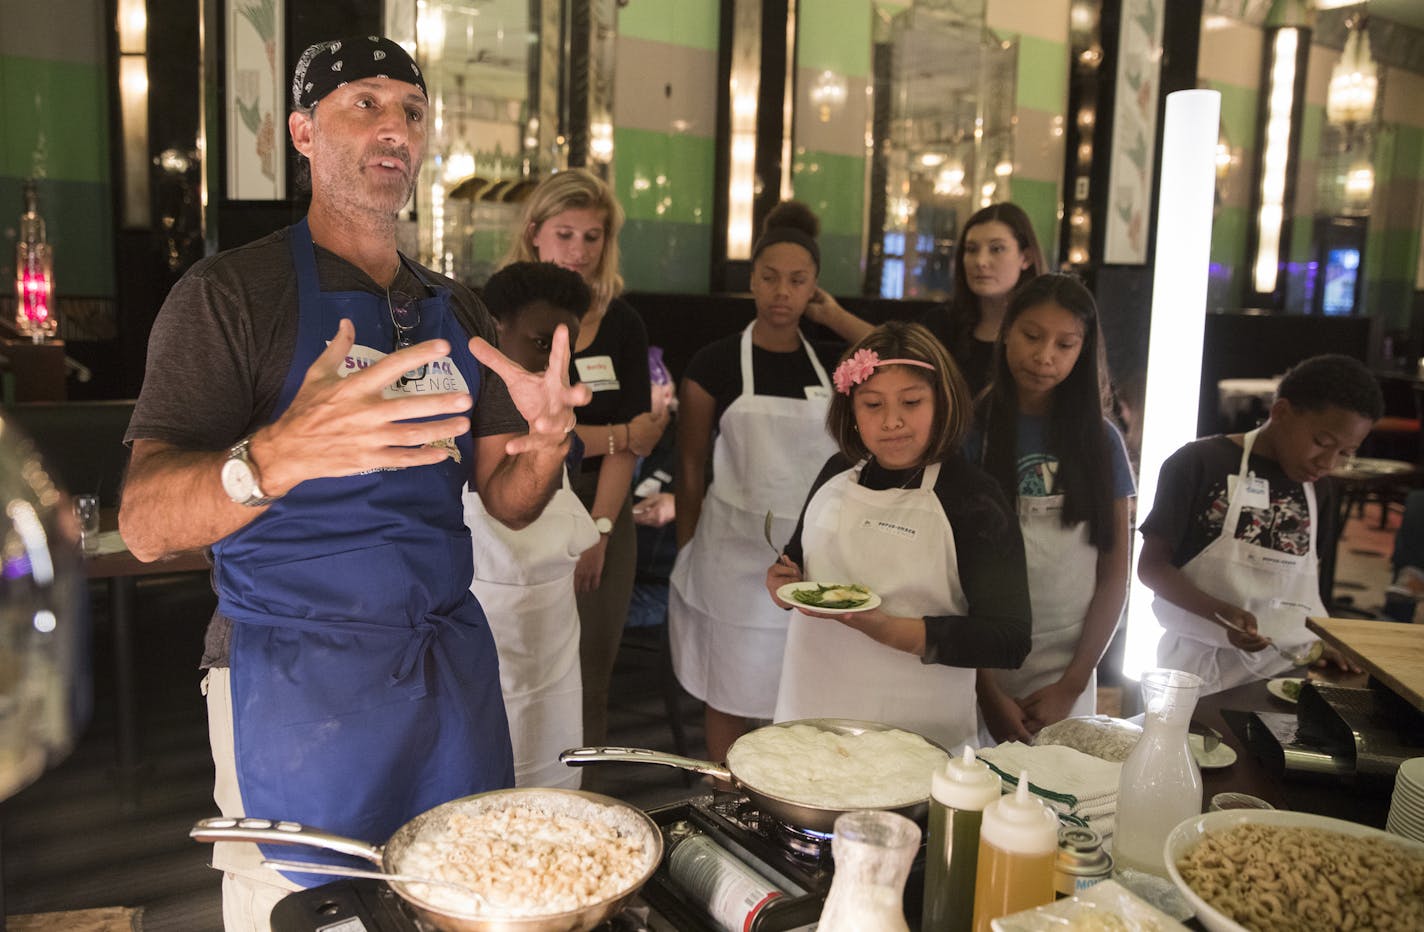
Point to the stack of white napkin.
(1075, 784)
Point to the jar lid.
(966, 782)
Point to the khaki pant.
(249, 889)
(604, 611)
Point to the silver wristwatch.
(239, 477)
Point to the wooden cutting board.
(1392, 652)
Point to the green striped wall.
(1394, 239)
(1040, 100)
(663, 175)
(54, 122)
(828, 171)
(664, 182)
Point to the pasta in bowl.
(1266, 870)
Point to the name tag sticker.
(902, 531)
(817, 393)
(597, 373)
(1256, 494)
(1040, 506)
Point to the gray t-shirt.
(224, 340)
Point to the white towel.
(1080, 782)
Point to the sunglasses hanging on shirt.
(405, 317)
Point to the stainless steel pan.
(797, 814)
(574, 803)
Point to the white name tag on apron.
(597, 373)
(1256, 495)
(1041, 506)
(817, 393)
(890, 527)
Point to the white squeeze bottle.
(958, 795)
(1018, 842)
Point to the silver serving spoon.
(1300, 657)
(341, 870)
(766, 529)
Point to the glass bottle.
(1161, 784)
(34, 273)
(873, 851)
(958, 795)
(1018, 843)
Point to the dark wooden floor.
(68, 843)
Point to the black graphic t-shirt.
(1192, 499)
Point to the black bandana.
(327, 65)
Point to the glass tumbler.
(86, 509)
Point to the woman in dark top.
(572, 220)
(997, 252)
(754, 403)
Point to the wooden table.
(121, 569)
(1391, 652)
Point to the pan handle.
(579, 757)
(282, 833)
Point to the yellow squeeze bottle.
(1018, 841)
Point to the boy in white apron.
(1238, 523)
(525, 578)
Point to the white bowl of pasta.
(1262, 870)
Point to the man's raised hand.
(339, 426)
(546, 400)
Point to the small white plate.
(1277, 687)
(786, 592)
(1223, 755)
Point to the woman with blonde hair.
(572, 220)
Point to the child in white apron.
(767, 438)
(901, 511)
(525, 578)
(1043, 436)
(1237, 527)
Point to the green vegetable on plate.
(837, 596)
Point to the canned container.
(1081, 861)
(732, 893)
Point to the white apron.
(1062, 577)
(727, 636)
(525, 581)
(899, 543)
(1280, 589)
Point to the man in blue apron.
(313, 406)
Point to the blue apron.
(365, 683)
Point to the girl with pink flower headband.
(927, 535)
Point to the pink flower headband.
(862, 365)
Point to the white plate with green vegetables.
(829, 598)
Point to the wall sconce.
(1287, 48)
(131, 23)
(828, 95)
(34, 273)
(1354, 82)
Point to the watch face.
(237, 480)
(604, 525)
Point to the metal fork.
(1301, 657)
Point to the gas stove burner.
(804, 842)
